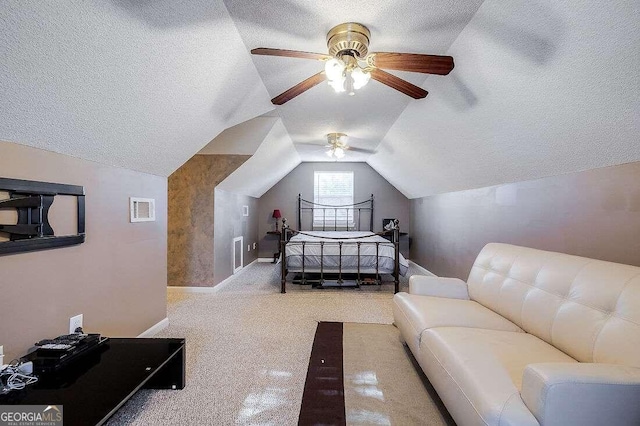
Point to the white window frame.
(343, 218)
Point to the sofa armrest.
(452, 288)
(582, 393)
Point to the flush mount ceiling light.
(349, 66)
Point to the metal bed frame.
(339, 275)
(305, 205)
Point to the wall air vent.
(236, 254)
(142, 209)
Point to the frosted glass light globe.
(360, 78)
(338, 84)
(334, 69)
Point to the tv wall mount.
(32, 201)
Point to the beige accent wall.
(191, 217)
(117, 278)
(594, 213)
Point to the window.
(333, 189)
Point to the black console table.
(95, 386)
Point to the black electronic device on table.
(53, 354)
(93, 387)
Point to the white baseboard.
(265, 260)
(421, 269)
(181, 289)
(238, 273)
(214, 289)
(155, 329)
(227, 280)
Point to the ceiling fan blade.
(299, 88)
(311, 144)
(290, 53)
(399, 84)
(363, 150)
(414, 62)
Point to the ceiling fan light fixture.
(348, 37)
(338, 84)
(349, 58)
(334, 69)
(360, 78)
(349, 80)
(348, 85)
(345, 75)
(337, 144)
(336, 139)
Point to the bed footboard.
(318, 262)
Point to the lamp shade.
(276, 214)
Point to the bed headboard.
(323, 217)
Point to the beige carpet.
(248, 349)
(382, 386)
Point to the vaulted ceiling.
(138, 84)
(539, 87)
(413, 26)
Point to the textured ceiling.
(416, 26)
(540, 88)
(241, 139)
(138, 84)
(273, 160)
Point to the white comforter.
(331, 253)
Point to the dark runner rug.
(323, 396)
(362, 374)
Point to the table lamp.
(277, 215)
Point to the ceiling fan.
(337, 147)
(349, 65)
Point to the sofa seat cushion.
(478, 372)
(415, 313)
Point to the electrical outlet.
(248, 247)
(254, 245)
(75, 322)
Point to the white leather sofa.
(532, 338)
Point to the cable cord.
(12, 378)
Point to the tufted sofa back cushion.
(589, 309)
